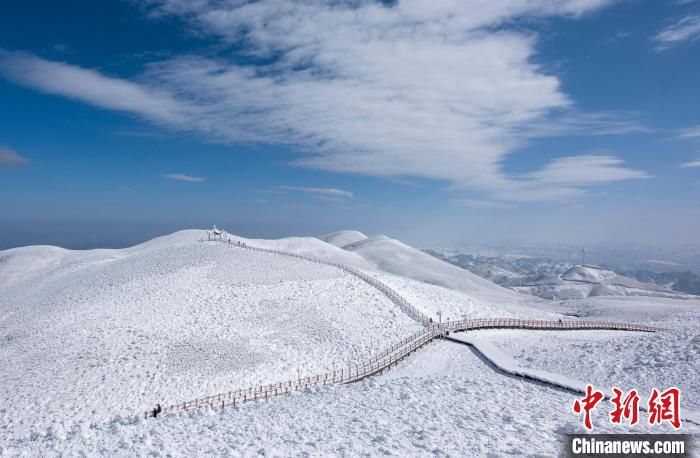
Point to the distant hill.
(583, 281)
(551, 279)
(685, 282)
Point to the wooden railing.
(517, 323)
(384, 360)
(350, 373)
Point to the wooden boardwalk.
(355, 371)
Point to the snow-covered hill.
(88, 339)
(394, 257)
(101, 332)
(585, 281)
(90, 334)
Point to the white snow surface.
(506, 363)
(617, 358)
(93, 334)
(442, 401)
(91, 338)
(344, 238)
(394, 257)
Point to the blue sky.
(570, 121)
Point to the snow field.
(92, 338)
(175, 321)
(442, 401)
(614, 358)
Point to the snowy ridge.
(392, 295)
(395, 257)
(353, 372)
(344, 238)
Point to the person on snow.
(157, 410)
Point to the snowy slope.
(344, 238)
(615, 358)
(409, 270)
(442, 401)
(394, 257)
(92, 334)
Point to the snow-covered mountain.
(88, 339)
(105, 331)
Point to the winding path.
(356, 371)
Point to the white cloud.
(183, 177)
(691, 164)
(91, 87)
(331, 193)
(9, 157)
(586, 170)
(689, 133)
(686, 29)
(566, 178)
(441, 90)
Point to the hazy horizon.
(552, 122)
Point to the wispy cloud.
(689, 133)
(691, 164)
(586, 170)
(330, 193)
(9, 158)
(442, 91)
(565, 179)
(92, 87)
(686, 29)
(183, 177)
(589, 124)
